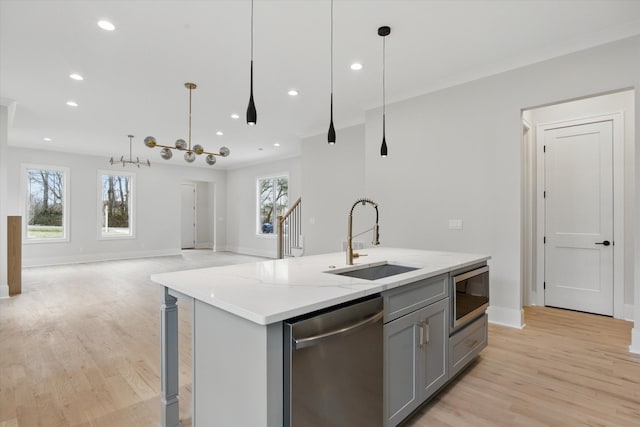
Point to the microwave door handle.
(317, 339)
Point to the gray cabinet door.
(401, 391)
(434, 326)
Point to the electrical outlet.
(455, 224)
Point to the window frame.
(131, 208)
(258, 227)
(25, 196)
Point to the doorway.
(573, 204)
(188, 215)
(578, 216)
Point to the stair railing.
(290, 230)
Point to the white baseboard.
(4, 290)
(252, 251)
(627, 312)
(204, 245)
(80, 259)
(513, 318)
(635, 340)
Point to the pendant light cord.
(384, 102)
(331, 62)
(190, 89)
(251, 30)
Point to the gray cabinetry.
(466, 344)
(415, 346)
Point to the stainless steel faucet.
(376, 230)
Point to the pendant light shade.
(383, 32)
(252, 115)
(331, 135)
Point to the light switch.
(455, 224)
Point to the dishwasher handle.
(317, 339)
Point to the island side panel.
(237, 370)
(169, 412)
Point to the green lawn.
(44, 232)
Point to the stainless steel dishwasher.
(333, 367)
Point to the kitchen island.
(238, 314)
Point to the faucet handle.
(358, 255)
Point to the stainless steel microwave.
(470, 295)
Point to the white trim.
(132, 204)
(506, 316)
(527, 236)
(635, 341)
(251, 251)
(617, 119)
(111, 256)
(627, 312)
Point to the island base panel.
(237, 370)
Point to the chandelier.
(181, 145)
(125, 162)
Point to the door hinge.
(544, 148)
(544, 194)
(544, 240)
(544, 285)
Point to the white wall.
(157, 207)
(4, 128)
(590, 107)
(455, 154)
(241, 206)
(332, 179)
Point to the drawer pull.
(473, 343)
(426, 332)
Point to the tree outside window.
(273, 199)
(115, 207)
(46, 201)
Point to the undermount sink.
(375, 272)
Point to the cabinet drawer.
(465, 345)
(411, 297)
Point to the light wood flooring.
(80, 347)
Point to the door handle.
(605, 243)
(311, 341)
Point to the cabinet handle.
(426, 331)
(421, 338)
(473, 344)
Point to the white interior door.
(188, 216)
(578, 258)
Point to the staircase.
(290, 231)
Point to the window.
(46, 203)
(115, 204)
(273, 198)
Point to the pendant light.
(383, 32)
(182, 145)
(252, 115)
(125, 162)
(331, 135)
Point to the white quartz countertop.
(271, 291)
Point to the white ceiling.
(134, 76)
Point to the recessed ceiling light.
(293, 92)
(72, 103)
(76, 76)
(106, 25)
(235, 116)
(219, 133)
(277, 144)
(46, 139)
(356, 66)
